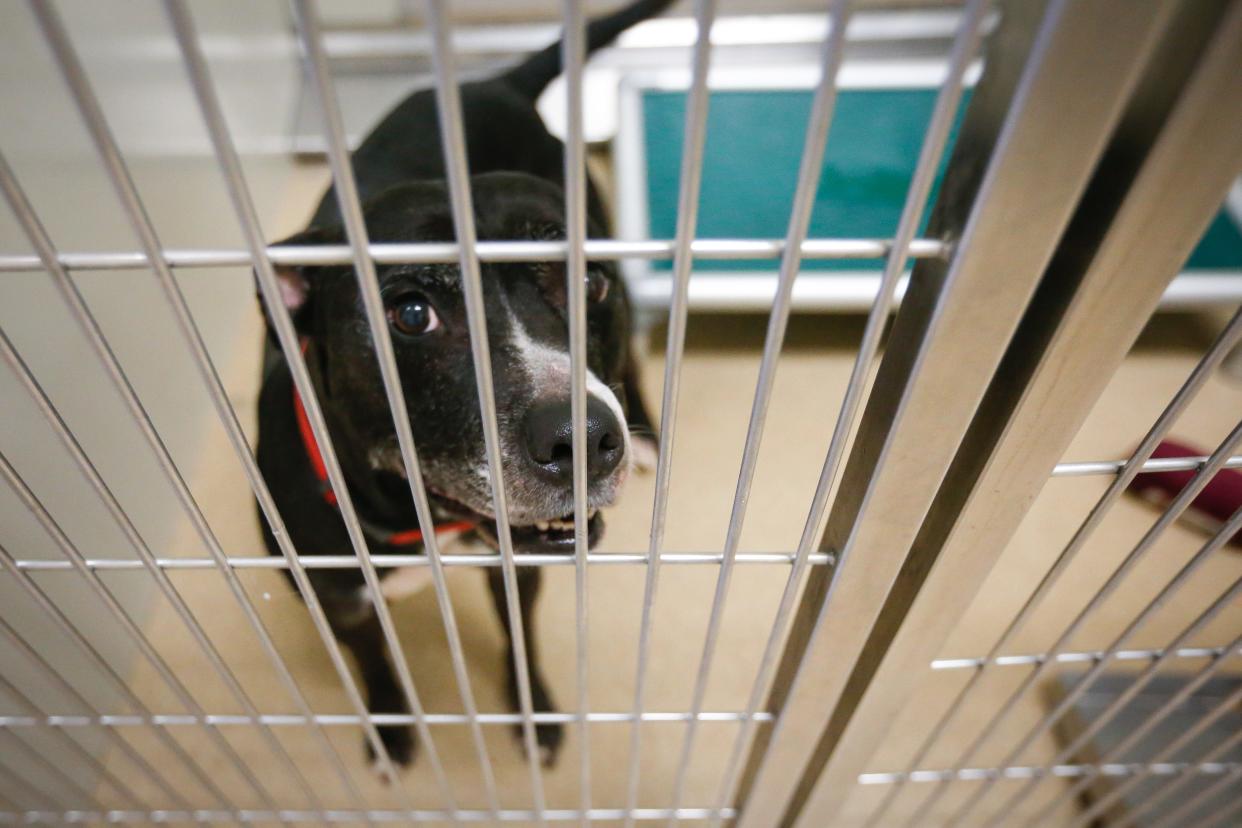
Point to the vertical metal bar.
(27, 787)
(116, 168)
(165, 586)
(1170, 705)
(1167, 753)
(93, 118)
(1228, 812)
(1168, 653)
(27, 705)
(952, 332)
(288, 341)
(131, 629)
(52, 677)
(90, 329)
(693, 140)
(1223, 749)
(809, 173)
(14, 792)
(350, 205)
(230, 167)
(573, 54)
(1220, 348)
(457, 167)
(32, 590)
(1174, 510)
(965, 47)
(1044, 389)
(1177, 818)
(37, 765)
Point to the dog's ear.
(296, 282)
(294, 286)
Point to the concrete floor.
(719, 372)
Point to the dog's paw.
(646, 453)
(548, 738)
(400, 744)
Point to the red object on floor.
(1218, 501)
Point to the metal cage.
(1099, 141)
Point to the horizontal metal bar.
(708, 290)
(1058, 771)
(391, 561)
(483, 39)
(378, 719)
(1161, 464)
(1089, 656)
(488, 251)
(856, 291)
(247, 815)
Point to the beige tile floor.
(719, 372)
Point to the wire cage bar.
(1115, 579)
(451, 130)
(487, 251)
(693, 142)
(1175, 784)
(888, 490)
(573, 55)
(1166, 752)
(917, 494)
(1227, 340)
(1149, 672)
(809, 170)
(1212, 74)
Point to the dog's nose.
(549, 439)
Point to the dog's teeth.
(541, 525)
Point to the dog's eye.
(596, 286)
(413, 315)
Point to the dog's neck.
(383, 534)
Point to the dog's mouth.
(545, 536)
(551, 536)
(530, 534)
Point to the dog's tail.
(533, 74)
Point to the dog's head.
(527, 328)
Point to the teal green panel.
(754, 146)
(1220, 248)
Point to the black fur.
(516, 168)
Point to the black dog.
(517, 171)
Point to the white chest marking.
(405, 581)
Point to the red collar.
(406, 537)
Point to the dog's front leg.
(548, 736)
(356, 624)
